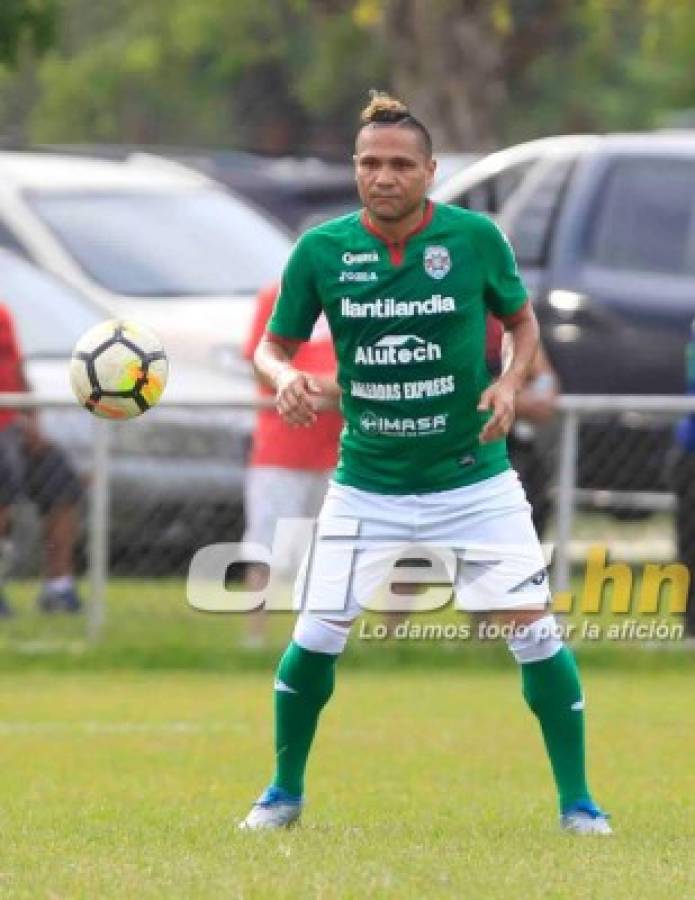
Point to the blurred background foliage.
(281, 76)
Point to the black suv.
(604, 231)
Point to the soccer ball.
(118, 370)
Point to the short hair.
(383, 109)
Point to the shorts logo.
(398, 350)
(537, 579)
(370, 423)
(437, 262)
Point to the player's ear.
(431, 169)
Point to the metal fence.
(159, 487)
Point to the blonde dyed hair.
(383, 109)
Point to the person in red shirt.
(31, 466)
(289, 468)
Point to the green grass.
(424, 783)
(149, 625)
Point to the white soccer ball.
(118, 370)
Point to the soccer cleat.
(585, 818)
(275, 808)
(67, 600)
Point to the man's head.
(393, 159)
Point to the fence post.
(564, 504)
(98, 531)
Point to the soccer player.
(405, 285)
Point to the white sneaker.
(585, 818)
(275, 808)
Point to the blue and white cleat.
(275, 808)
(585, 818)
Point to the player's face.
(393, 171)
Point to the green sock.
(552, 688)
(303, 686)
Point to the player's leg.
(513, 585)
(334, 576)
(306, 673)
(304, 684)
(552, 689)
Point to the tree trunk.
(448, 67)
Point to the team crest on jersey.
(437, 262)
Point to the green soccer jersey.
(408, 324)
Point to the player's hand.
(499, 398)
(297, 397)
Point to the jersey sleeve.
(505, 292)
(298, 305)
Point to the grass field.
(424, 783)
(149, 625)
(124, 766)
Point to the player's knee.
(319, 635)
(537, 641)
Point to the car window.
(529, 224)
(166, 243)
(49, 317)
(646, 217)
(490, 195)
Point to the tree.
(26, 23)
(291, 75)
(264, 76)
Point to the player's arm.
(298, 395)
(505, 296)
(500, 397)
(298, 306)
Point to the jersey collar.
(397, 248)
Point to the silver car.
(149, 239)
(177, 472)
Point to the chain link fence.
(605, 474)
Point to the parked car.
(288, 188)
(176, 474)
(298, 191)
(148, 238)
(604, 232)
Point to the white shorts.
(482, 535)
(272, 493)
